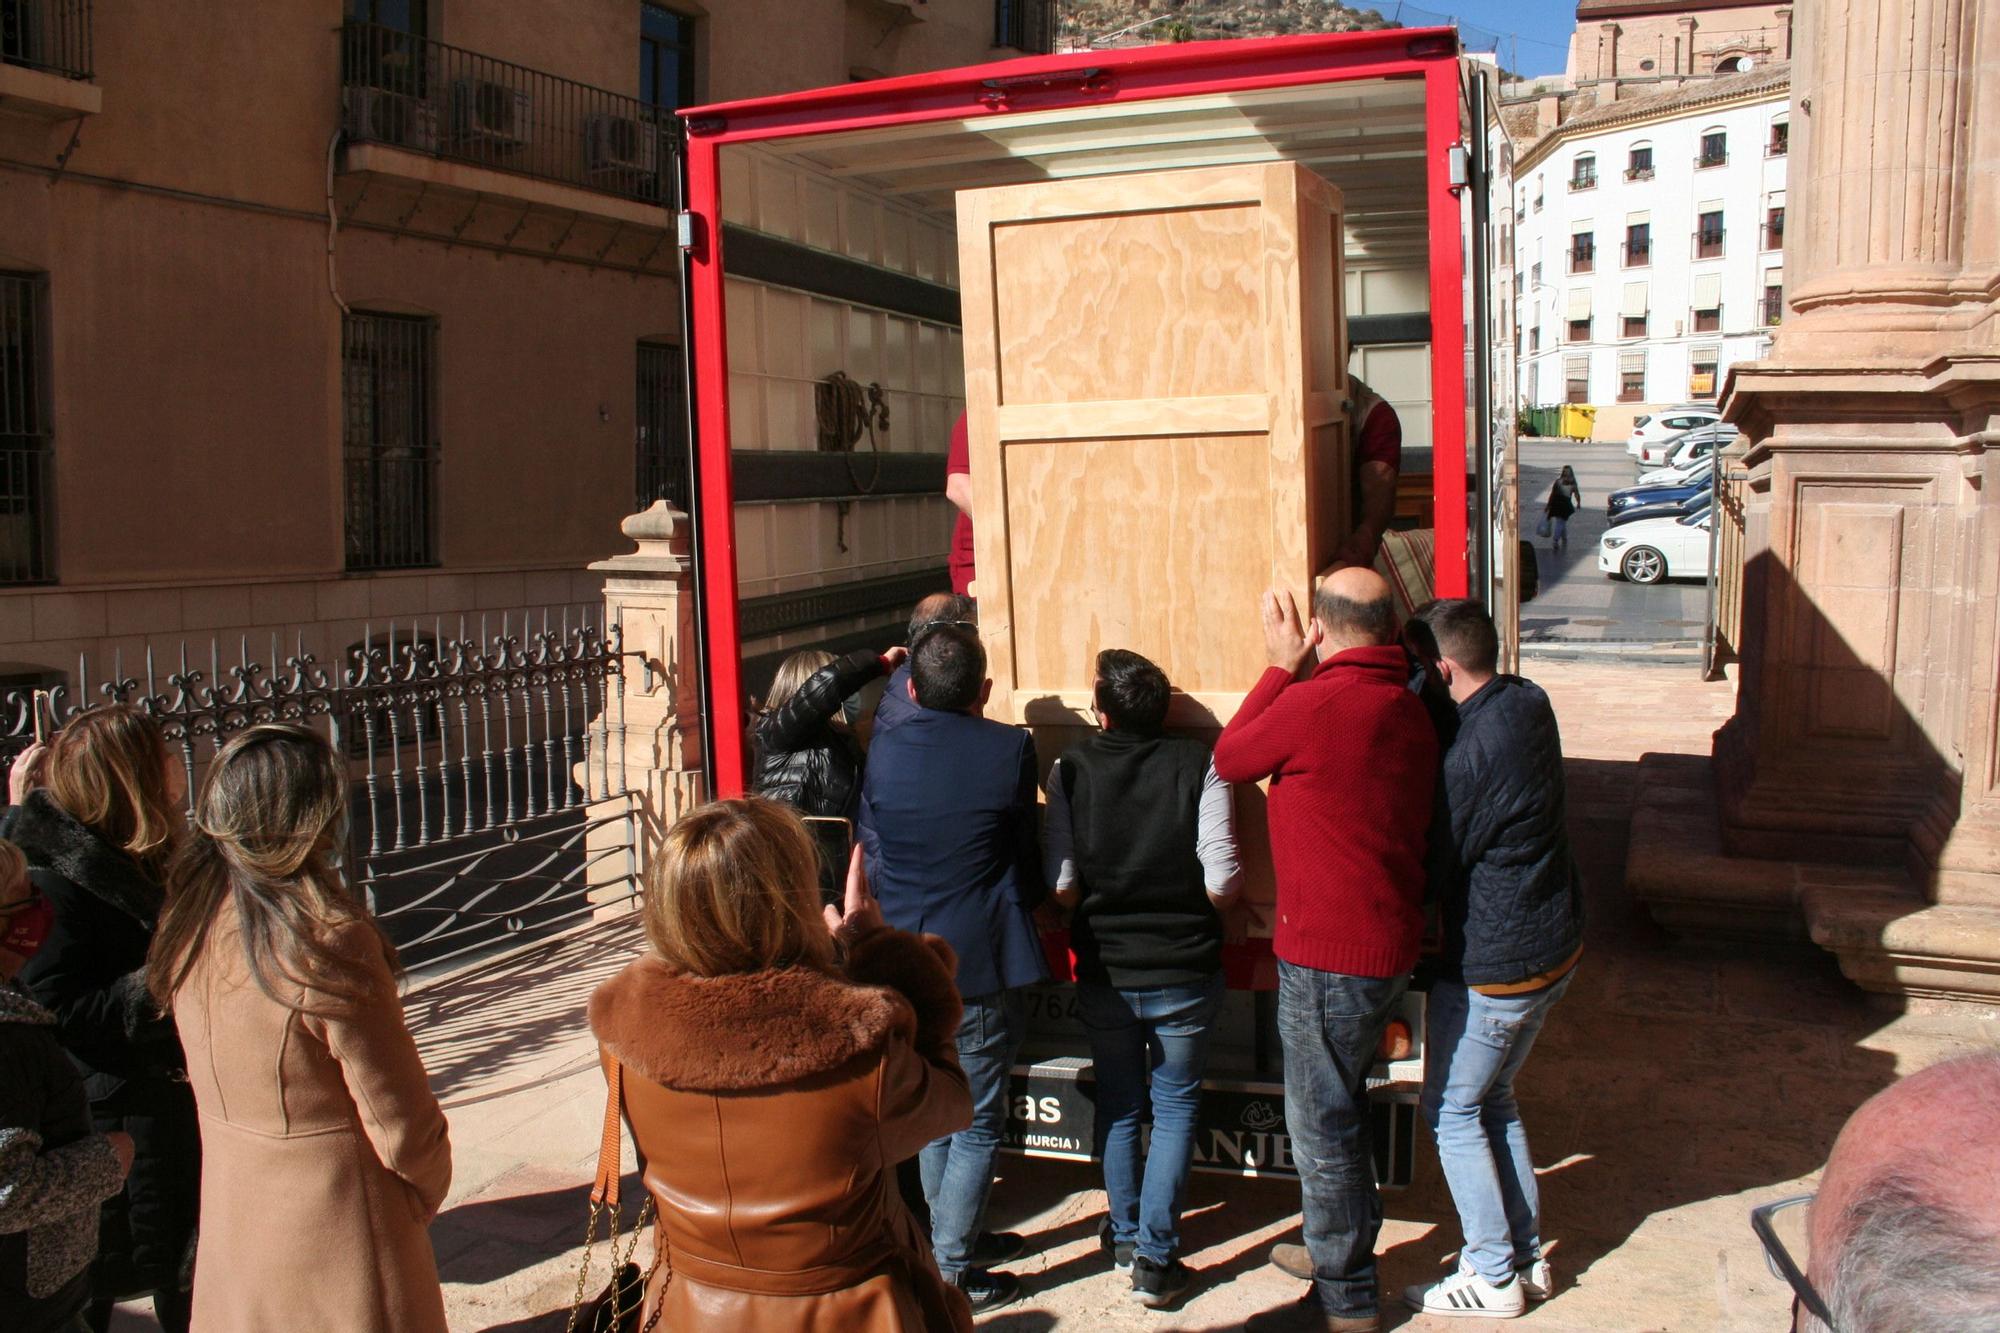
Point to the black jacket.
(1512, 897)
(801, 759)
(90, 974)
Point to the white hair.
(1911, 1257)
(1909, 1263)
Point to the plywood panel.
(1158, 572)
(1155, 386)
(1146, 305)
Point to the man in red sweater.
(1353, 762)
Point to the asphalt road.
(1577, 605)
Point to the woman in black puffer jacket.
(806, 757)
(97, 834)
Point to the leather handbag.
(616, 1308)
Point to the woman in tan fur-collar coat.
(774, 1076)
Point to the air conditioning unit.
(381, 116)
(491, 112)
(619, 143)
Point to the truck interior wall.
(782, 341)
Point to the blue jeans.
(1477, 1044)
(958, 1169)
(1331, 1026)
(1161, 1032)
(1559, 528)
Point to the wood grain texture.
(1155, 386)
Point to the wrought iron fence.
(488, 797)
(52, 35)
(414, 93)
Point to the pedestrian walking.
(326, 1155)
(1565, 498)
(1512, 907)
(948, 824)
(1141, 847)
(1353, 757)
(98, 832)
(773, 1072)
(56, 1171)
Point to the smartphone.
(834, 838)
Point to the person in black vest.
(1140, 842)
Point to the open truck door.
(820, 234)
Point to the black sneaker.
(998, 1247)
(1120, 1252)
(1157, 1286)
(988, 1290)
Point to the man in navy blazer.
(948, 827)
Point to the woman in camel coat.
(773, 1077)
(324, 1152)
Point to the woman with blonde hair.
(97, 833)
(807, 756)
(326, 1154)
(776, 1065)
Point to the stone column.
(1865, 726)
(647, 595)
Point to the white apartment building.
(1649, 245)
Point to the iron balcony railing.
(1638, 254)
(443, 101)
(1582, 259)
(1639, 173)
(1708, 159)
(1708, 244)
(52, 35)
(1774, 307)
(1588, 182)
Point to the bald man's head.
(1356, 609)
(1907, 1221)
(942, 608)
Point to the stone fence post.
(647, 595)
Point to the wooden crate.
(1154, 371)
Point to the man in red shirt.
(958, 490)
(1378, 461)
(1353, 762)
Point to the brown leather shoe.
(1305, 1316)
(1293, 1260)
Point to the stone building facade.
(1649, 244)
(1856, 793)
(1647, 40)
(318, 314)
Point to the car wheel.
(1643, 564)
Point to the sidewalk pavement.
(1675, 1087)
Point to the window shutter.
(1639, 219)
(1632, 363)
(1708, 291)
(1634, 306)
(1579, 303)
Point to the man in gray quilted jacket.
(1512, 904)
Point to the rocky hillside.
(1088, 21)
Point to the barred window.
(390, 439)
(25, 437)
(662, 427)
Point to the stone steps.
(1887, 936)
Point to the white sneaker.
(1538, 1282)
(1466, 1295)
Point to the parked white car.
(1684, 451)
(1651, 549)
(1658, 427)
